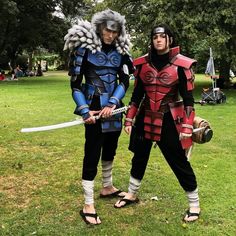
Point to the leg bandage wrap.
(107, 173)
(134, 185)
(193, 198)
(88, 186)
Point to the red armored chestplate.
(160, 89)
(160, 86)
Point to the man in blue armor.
(100, 55)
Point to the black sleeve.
(129, 62)
(138, 92)
(186, 95)
(124, 78)
(77, 84)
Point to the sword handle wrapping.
(120, 110)
(116, 111)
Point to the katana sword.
(68, 124)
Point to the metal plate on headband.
(112, 25)
(158, 30)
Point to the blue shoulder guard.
(78, 58)
(118, 94)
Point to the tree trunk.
(224, 78)
(30, 66)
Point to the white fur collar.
(84, 35)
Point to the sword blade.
(51, 127)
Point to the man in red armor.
(157, 115)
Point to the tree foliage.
(198, 25)
(28, 24)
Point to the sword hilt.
(116, 111)
(120, 110)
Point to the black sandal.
(190, 214)
(94, 215)
(127, 202)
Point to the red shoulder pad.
(183, 61)
(140, 60)
(174, 51)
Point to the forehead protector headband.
(158, 30)
(112, 25)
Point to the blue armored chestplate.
(106, 67)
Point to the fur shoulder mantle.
(84, 35)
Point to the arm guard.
(118, 94)
(187, 125)
(82, 107)
(131, 113)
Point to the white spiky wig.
(102, 17)
(87, 35)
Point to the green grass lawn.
(40, 173)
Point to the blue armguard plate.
(118, 94)
(80, 101)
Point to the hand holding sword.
(93, 117)
(106, 112)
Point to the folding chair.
(212, 95)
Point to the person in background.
(2, 75)
(18, 72)
(39, 70)
(161, 117)
(100, 54)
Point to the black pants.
(98, 144)
(173, 152)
